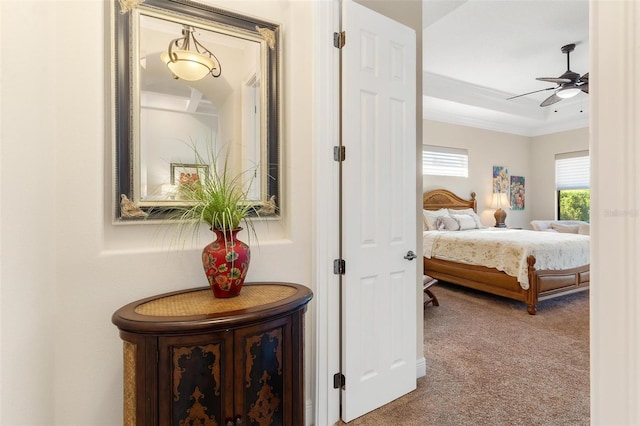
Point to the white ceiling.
(477, 53)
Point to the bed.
(530, 284)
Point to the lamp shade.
(188, 65)
(499, 200)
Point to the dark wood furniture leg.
(431, 298)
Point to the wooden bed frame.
(543, 285)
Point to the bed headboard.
(442, 198)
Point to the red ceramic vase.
(226, 262)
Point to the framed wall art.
(517, 193)
(500, 179)
(188, 174)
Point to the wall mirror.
(161, 121)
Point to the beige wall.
(486, 149)
(531, 157)
(65, 267)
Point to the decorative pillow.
(567, 229)
(468, 212)
(540, 225)
(465, 221)
(447, 223)
(583, 229)
(430, 217)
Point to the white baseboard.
(308, 413)
(421, 367)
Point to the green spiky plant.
(219, 199)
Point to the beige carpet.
(491, 363)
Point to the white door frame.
(615, 211)
(326, 19)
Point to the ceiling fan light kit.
(569, 84)
(568, 92)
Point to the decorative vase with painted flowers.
(219, 197)
(225, 262)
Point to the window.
(443, 161)
(572, 185)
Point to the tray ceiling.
(477, 53)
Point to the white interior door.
(379, 209)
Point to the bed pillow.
(468, 212)
(541, 225)
(567, 229)
(465, 221)
(430, 217)
(447, 223)
(583, 229)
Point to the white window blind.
(572, 170)
(444, 161)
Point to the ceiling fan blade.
(525, 94)
(557, 80)
(551, 100)
(585, 78)
(585, 88)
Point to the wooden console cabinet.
(193, 359)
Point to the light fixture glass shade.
(568, 92)
(188, 65)
(499, 200)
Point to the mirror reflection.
(219, 115)
(176, 117)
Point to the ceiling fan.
(569, 84)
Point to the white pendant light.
(187, 63)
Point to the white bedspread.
(507, 249)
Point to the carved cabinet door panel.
(195, 383)
(263, 363)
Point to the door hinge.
(339, 266)
(339, 39)
(339, 153)
(338, 380)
